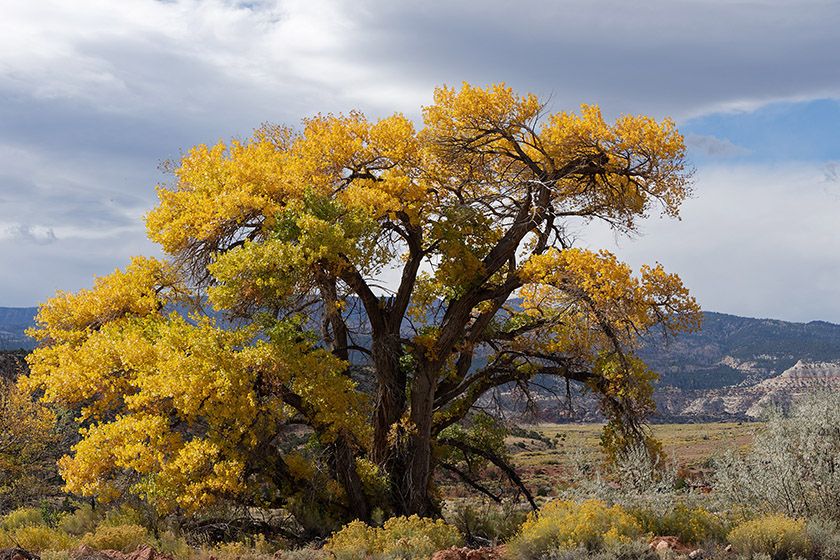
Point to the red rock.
(661, 544)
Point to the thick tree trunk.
(420, 455)
(390, 395)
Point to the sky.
(94, 95)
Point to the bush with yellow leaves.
(25, 528)
(777, 535)
(399, 537)
(569, 525)
(691, 524)
(124, 538)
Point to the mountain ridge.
(730, 369)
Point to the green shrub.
(123, 515)
(486, 523)
(55, 555)
(634, 550)
(691, 525)
(568, 525)
(83, 520)
(776, 535)
(124, 538)
(23, 517)
(399, 537)
(172, 545)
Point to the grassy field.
(544, 452)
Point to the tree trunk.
(390, 395)
(345, 470)
(418, 477)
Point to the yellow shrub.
(399, 537)
(356, 540)
(777, 535)
(22, 517)
(254, 549)
(690, 525)
(123, 537)
(415, 537)
(36, 538)
(566, 524)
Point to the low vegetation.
(769, 490)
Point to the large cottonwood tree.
(353, 243)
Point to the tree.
(294, 235)
(29, 438)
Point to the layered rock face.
(748, 400)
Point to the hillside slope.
(730, 369)
(13, 322)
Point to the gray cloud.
(714, 147)
(32, 234)
(832, 172)
(94, 95)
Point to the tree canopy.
(376, 282)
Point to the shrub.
(634, 550)
(124, 538)
(170, 544)
(356, 540)
(123, 515)
(568, 525)
(36, 538)
(635, 480)
(257, 548)
(776, 535)
(825, 539)
(22, 517)
(83, 520)
(792, 464)
(56, 555)
(415, 537)
(399, 537)
(691, 525)
(486, 523)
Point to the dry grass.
(691, 445)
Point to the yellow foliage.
(123, 538)
(30, 443)
(776, 535)
(288, 233)
(399, 537)
(38, 538)
(693, 525)
(565, 524)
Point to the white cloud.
(758, 241)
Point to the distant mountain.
(728, 370)
(13, 322)
(735, 366)
(732, 350)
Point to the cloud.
(94, 94)
(756, 240)
(714, 147)
(832, 172)
(32, 234)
